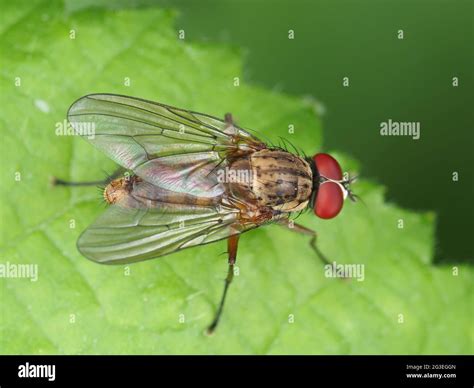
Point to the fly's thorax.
(272, 178)
(281, 180)
(239, 180)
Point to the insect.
(189, 179)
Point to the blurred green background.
(405, 80)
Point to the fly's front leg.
(232, 243)
(308, 232)
(59, 182)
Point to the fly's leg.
(228, 119)
(307, 232)
(230, 128)
(115, 174)
(232, 243)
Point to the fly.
(188, 179)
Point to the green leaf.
(281, 302)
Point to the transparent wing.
(173, 148)
(125, 235)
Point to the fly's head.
(330, 189)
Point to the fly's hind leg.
(232, 243)
(60, 182)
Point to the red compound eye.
(330, 197)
